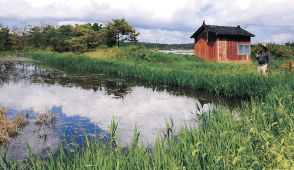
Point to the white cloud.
(71, 22)
(175, 15)
(281, 38)
(163, 36)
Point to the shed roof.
(223, 30)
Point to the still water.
(87, 104)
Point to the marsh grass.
(105, 53)
(231, 80)
(45, 119)
(10, 128)
(262, 138)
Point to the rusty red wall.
(201, 49)
(220, 50)
(232, 51)
(204, 50)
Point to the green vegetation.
(257, 135)
(67, 37)
(232, 80)
(277, 51)
(4, 39)
(260, 137)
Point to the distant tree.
(24, 37)
(277, 51)
(84, 38)
(67, 37)
(97, 27)
(133, 36)
(291, 44)
(61, 36)
(5, 42)
(16, 38)
(48, 32)
(119, 31)
(40, 36)
(35, 36)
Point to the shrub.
(277, 51)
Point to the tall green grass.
(260, 137)
(233, 80)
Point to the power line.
(261, 25)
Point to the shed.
(222, 43)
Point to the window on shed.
(243, 49)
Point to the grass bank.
(231, 80)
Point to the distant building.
(222, 43)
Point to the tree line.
(67, 37)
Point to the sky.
(167, 21)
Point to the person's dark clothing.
(263, 58)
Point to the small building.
(222, 43)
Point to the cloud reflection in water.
(142, 106)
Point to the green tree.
(16, 39)
(119, 31)
(84, 38)
(48, 32)
(5, 42)
(97, 27)
(35, 36)
(68, 37)
(41, 36)
(61, 36)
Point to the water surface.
(88, 104)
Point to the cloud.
(163, 36)
(281, 38)
(144, 107)
(177, 15)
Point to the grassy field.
(232, 80)
(257, 135)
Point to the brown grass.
(46, 119)
(104, 53)
(10, 128)
(288, 66)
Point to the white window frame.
(238, 47)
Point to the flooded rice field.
(86, 104)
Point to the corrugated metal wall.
(204, 50)
(232, 51)
(220, 50)
(201, 49)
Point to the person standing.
(263, 57)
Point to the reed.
(10, 128)
(261, 138)
(257, 135)
(232, 80)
